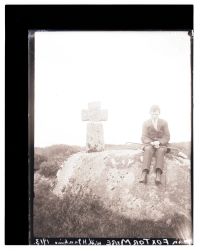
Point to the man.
(155, 137)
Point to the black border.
(19, 19)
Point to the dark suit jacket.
(149, 133)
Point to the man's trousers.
(149, 151)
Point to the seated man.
(155, 136)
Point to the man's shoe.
(143, 178)
(158, 177)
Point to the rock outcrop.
(113, 177)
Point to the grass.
(82, 215)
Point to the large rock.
(113, 176)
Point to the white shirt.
(155, 123)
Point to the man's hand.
(155, 144)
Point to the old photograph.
(112, 134)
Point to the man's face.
(155, 115)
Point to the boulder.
(113, 177)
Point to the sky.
(126, 71)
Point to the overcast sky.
(126, 71)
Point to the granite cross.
(94, 115)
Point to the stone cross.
(94, 115)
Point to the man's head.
(155, 112)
